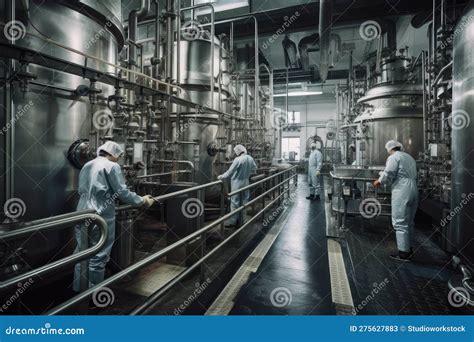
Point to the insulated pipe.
(132, 28)
(325, 24)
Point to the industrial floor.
(305, 270)
(293, 276)
(297, 262)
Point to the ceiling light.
(300, 93)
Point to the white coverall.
(239, 172)
(400, 172)
(100, 183)
(315, 162)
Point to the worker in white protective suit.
(315, 162)
(400, 172)
(100, 183)
(239, 173)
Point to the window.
(294, 117)
(290, 149)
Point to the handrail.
(153, 175)
(164, 289)
(165, 197)
(160, 254)
(333, 175)
(56, 223)
(260, 181)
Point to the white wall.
(315, 110)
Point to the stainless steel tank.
(194, 78)
(194, 65)
(51, 120)
(461, 232)
(391, 109)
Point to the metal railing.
(56, 223)
(282, 179)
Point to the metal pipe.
(325, 24)
(256, 57)
(153, 175)
(423, 79)
(56, 223)
(178, 61)
(261, 181)
(433, 33)
(157, 32)
(9, 111)
(160, 254)
(188, 162)
(164, 289)
(133, 17)
(441, 72)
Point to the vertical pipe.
(157, 33)
(9, 113)
(325, 24)
(178, 62)
(169, 64)
(423, 77)
(257, 71)
(433, 33)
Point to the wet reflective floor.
(293, 277)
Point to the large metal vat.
(391, 109)
(196, 125)
(461, 232)
(51, 119)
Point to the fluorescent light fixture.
(220, 5)
(299, 93)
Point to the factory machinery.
(426, 103)
(166, 88)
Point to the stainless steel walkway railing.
(282, 179)
(55, 223)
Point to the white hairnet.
(239, 149)
(313, 144)
(392, 144)
(111, 148)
